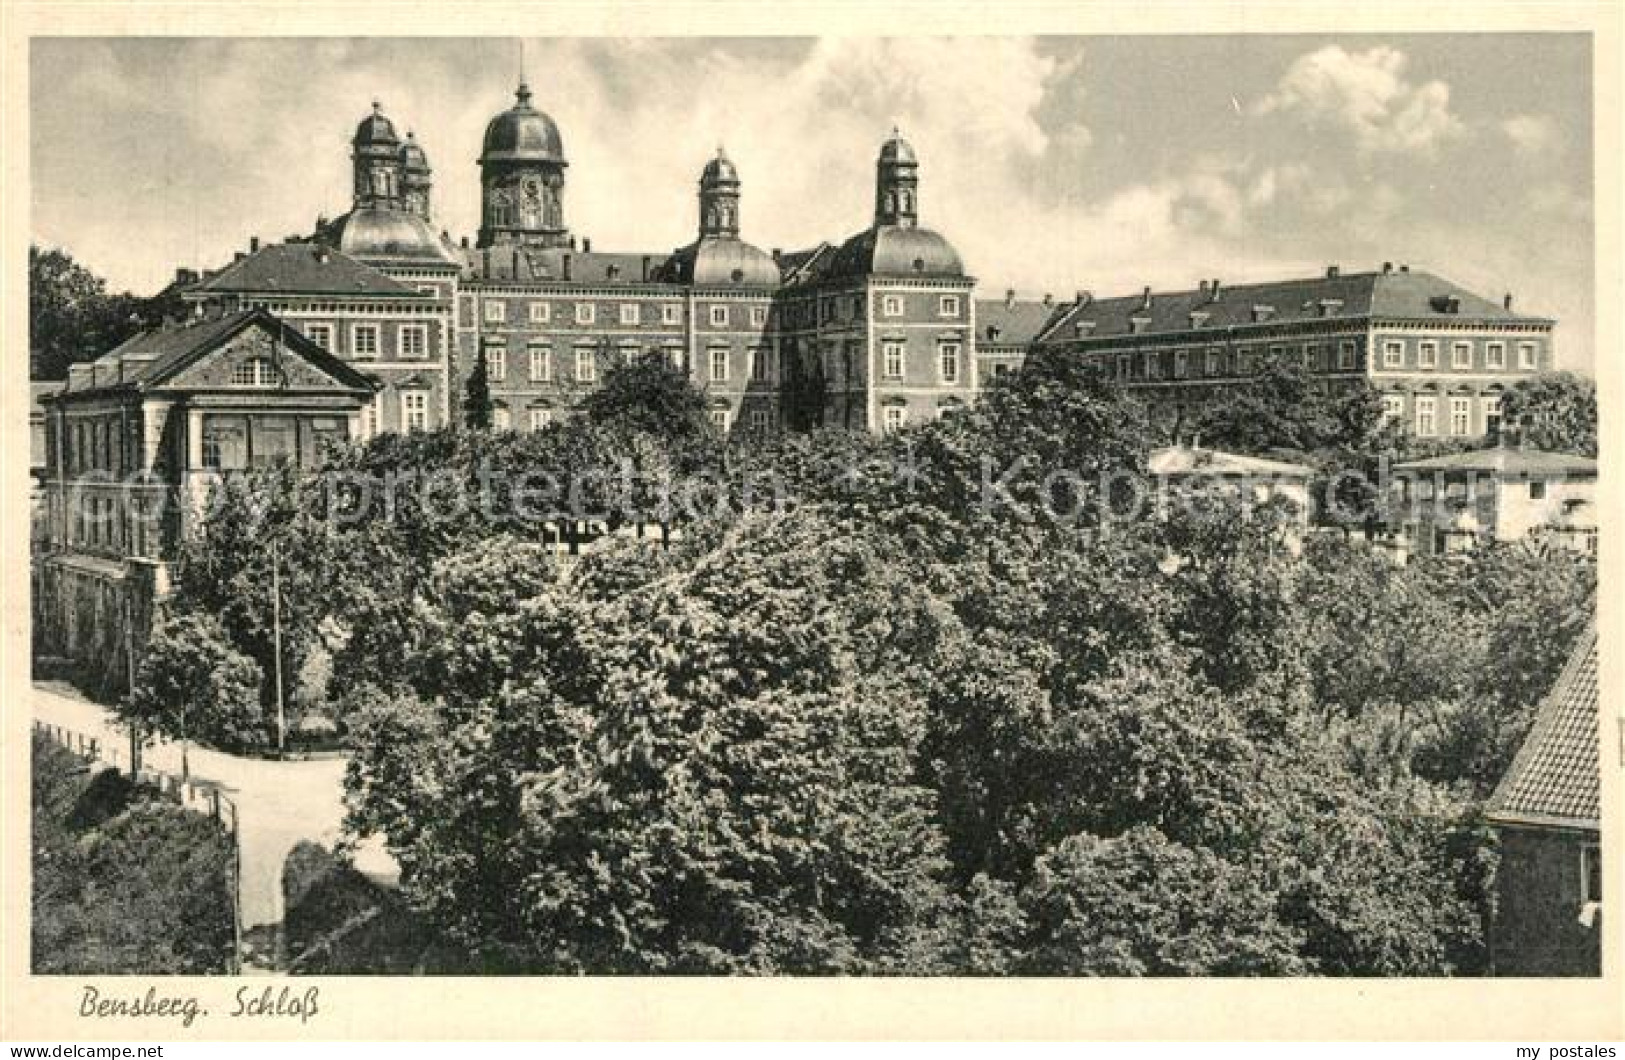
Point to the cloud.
(1533, 135)
(1365, 93)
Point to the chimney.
(1387, 267)
(1201, 288)
(486, 257)
(572, 242)
(1009, 297)
(1085, 299)
(322, 253)
(1145, 298)
(1404, 268)
(1049, 299)
(1506, 302)
(586, 245)
(567, 258)
(465, 242)
(253, 244)
(646, 268)
(239, 256)
(1213, 290)
(1333, 272)
(776, 253)
(514, 265)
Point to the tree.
(71, 316)
(1555, 411)
(193, 684)
(477, 401)
(651, 395)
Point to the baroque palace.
(375, 320)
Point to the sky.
(1054, 164)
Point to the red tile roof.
(1554, 779)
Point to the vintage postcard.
(758, 522)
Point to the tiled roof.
(1011, 322)
(798, 266)
(1506, 460)
(1554, 779)
(303, 268)
(1403, 295)
(509, 264)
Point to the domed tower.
(416, 177)
(522, 178)
(375, 156)
(897, 183)
(719, 198)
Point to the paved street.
(279, 803)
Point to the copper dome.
(722, 261)
(371, 234)
(412, 156)
(375, 129)
(522, 134)
(892, 250)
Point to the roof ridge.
(1547, 719)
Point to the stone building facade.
(1440, 356)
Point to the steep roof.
(1186, 460)
(1506, 460)
(1011, 322)
(1554, 779)
(304, 268)
(513, 264)
(1404, 295)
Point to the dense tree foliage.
(123, 882)
(477, 395)
(1555, 411)
(194, 684)
(72, 316)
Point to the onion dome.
(375, 129)
(374, 234)
(720, 170)
(522, 134)
(889, 250)
(413, 160)
(897, 151)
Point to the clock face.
(533, 188)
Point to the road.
(278, 803)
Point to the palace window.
(496, 312)
(501, 420)
(758, 316)
(1215, 361)
(948, 362)
(891, 305)
(225, 442)
(1461, 355)
(586, 365)
(256, 371)
(364, 340)
(948, 305)
(759, 421)
(1244, 361)
(671, 313)
(893, 417)
(1182, 364)
(1537, 490)
(1153, 365)
(892, 354)
(1125, 366)
(719, 316)
(541, 419)
(1345, 355)
(760, 363)
(321, 335)
(414, 341)
(414, 411)
(272, 440)
(369, 419)
(1276, 354)
(1590, 873)
(1426, 409)
(540, 312)
(719, 420)
(1492, 414)
(541, 362)
(496, 362)
(719, 364)
(1461, 417)
(1311, 357)
(1393, 354)
(586, 313)
(629, 314)
(1393, 407)
(1427, 354)
(1526, 355)
(1495, 355)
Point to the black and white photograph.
(1047, 506)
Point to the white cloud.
(1367, 94)
(1533, 135)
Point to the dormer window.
(256, 371)
(1084, 328)
(1198, 318)
(1139, 324)
(993, 333)
(1262, 313)
(1330, 307)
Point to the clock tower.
(522, 178)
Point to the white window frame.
(894, 358)
(719, 419)
(758, 316)
(1393, 353)
(1346, 355)
(948, 305)
(1461, 354)
(1214, 361)
(358, 330)
(1495, 355)
(496, 311)
(540, 312)
(718, 316)
(540, 419)
(586, 312)
(1425, 416)
(761, 364)
(324, 330)
(893, 418)
(891, 305)
(496, 362)
(671, 313)
(630, 317)
(760, 421)
(1526, 355)
(1125, 366)
(254, 372)
(418, 332)
(414, 411)
(369, 418)
(1151, 363)
(1393, 408)
(1244, 361)
(716, 361)
(540, 355)
(1461, 417)
(586, 366)
(501, 418)
(1427, 353)
(1311, 357)
(1182, 364)
(949, 353)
